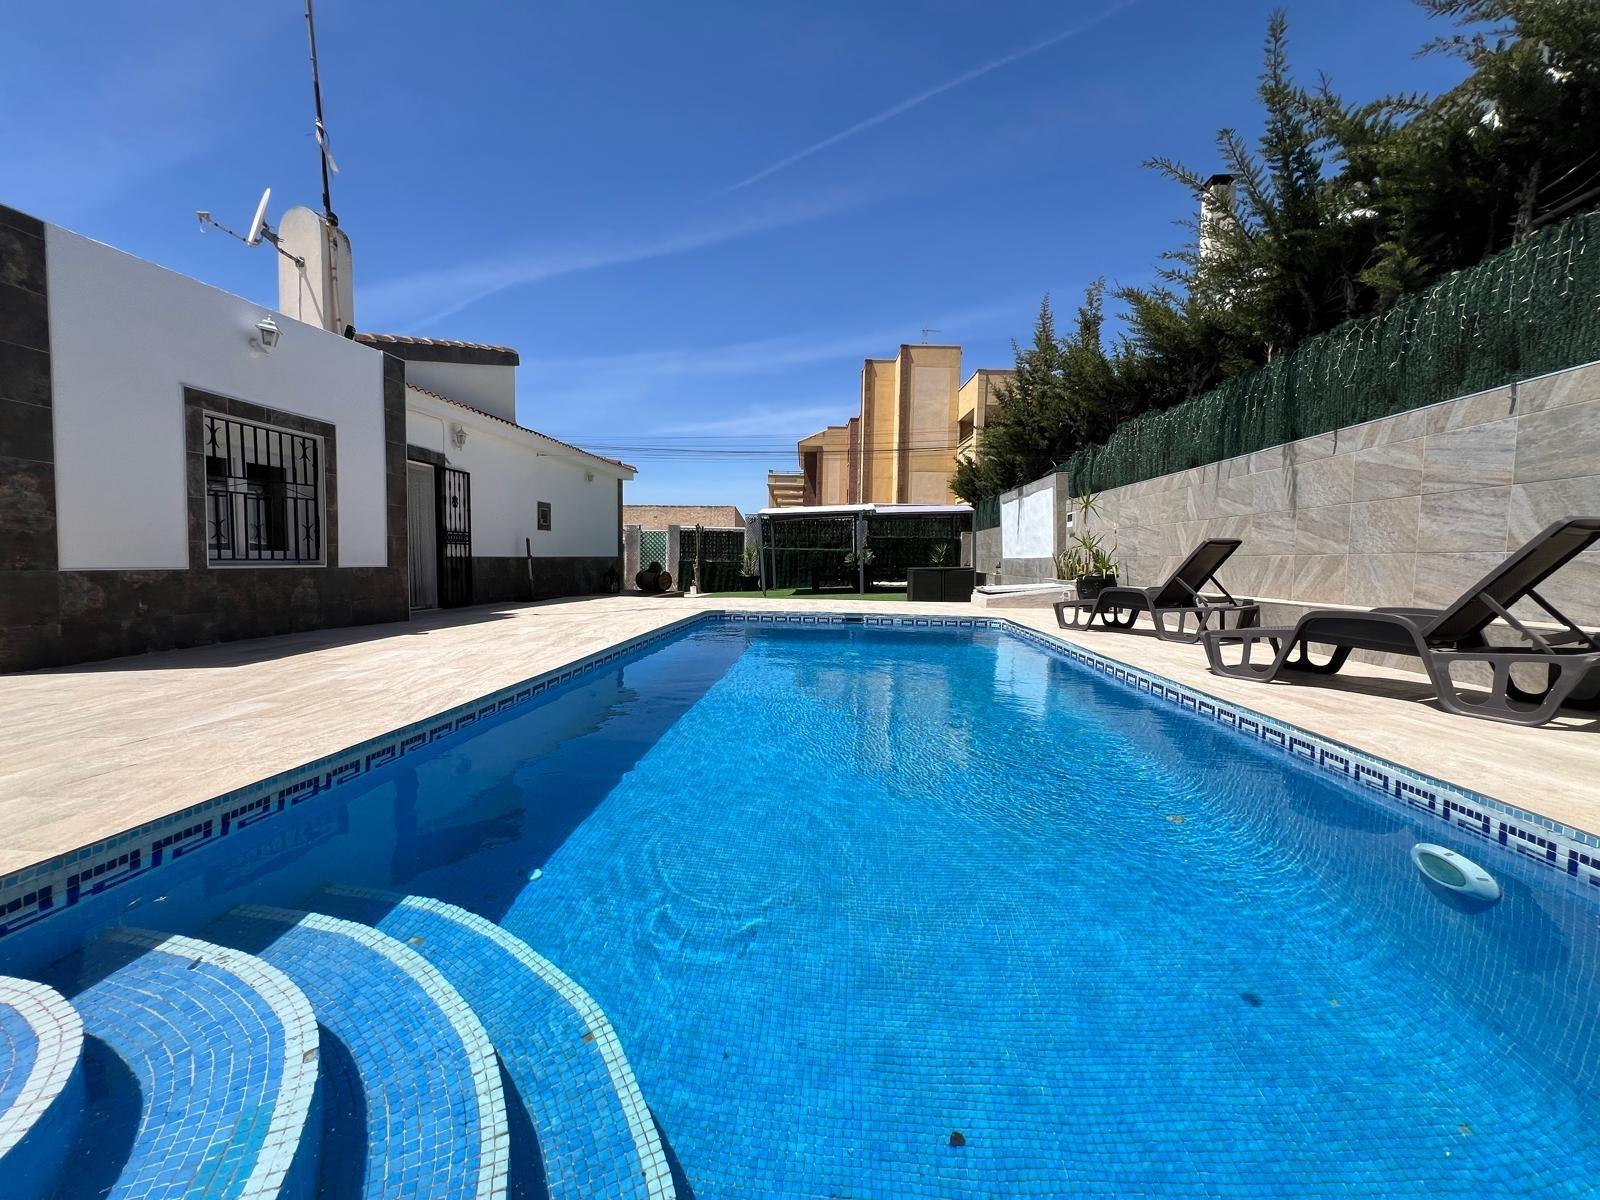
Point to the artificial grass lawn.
(808, 594)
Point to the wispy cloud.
(121, 121)
(593, 398)
(922, 97)
(758, 355)
(777, 420)
(433, 295)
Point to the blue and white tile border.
(39, 891)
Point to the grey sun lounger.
(1447, 638)
(1171, 605)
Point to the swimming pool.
(924, 912)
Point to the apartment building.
(914, 417)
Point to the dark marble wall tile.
(21, 222)
(27, 515)
(27, 432)
(24, 374)
(21, 259)
(24, 318)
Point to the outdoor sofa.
(1443, 639)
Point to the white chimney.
(322, 292)
(1216, 209)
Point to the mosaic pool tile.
(41, 1088)
(200, 1065)
(596, 1136)
(412, 1103)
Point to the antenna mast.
(322, 133)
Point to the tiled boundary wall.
(1406, 510)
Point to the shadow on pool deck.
(248, 651)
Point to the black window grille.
(263, 493)
(544, 514)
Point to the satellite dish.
(260, 231)
(259, 221)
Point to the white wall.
(126, 337)
(491, 388)
(1027, 524)
(512, 470)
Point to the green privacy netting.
(898, 543)
(1529, 310)
(809, 552)
(986, 513)
(721, 558)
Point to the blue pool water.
(846, 892)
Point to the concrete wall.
(1028, 533)
(932, 377)
(126, 338)
(880, 429)
(974, 402)
(1408, 510)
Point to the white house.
(495, 510)
(180, 466)
(544, 516)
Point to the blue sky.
(693, 220)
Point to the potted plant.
(1100, 570)
(1087, 561)
(1069, 564)
(858, 561)
(750, 569)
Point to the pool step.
(562, 1059)
(200, 1073)
(412, 1103)
(41, 1086)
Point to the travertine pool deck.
(92, 750)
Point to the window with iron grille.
(263, 493)
(544, 514)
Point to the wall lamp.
(267, 335)
(458, 436)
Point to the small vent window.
(544, 514)
(263, 493)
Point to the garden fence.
(1529, 310)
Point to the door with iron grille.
(455, 538)
(422, 517)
